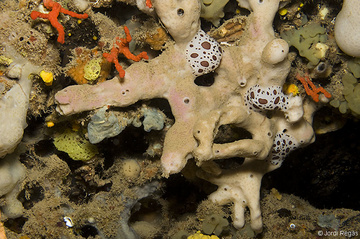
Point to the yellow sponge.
(75, 145)
(47, 77)
(199, 235)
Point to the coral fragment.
(122, 46)
(53, 15)
(314, 91)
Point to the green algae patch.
(306, 39)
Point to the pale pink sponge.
(203, 53)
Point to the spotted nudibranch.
(269, 98)
(283, 145)
(260, 99)
(203, 53)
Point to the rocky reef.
(218, 92)
(248, 80)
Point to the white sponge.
(14, 105)
(275, 51)
(347, 28)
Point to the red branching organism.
(314, 91)
(53, 15)
(121, 46)
(148, 3)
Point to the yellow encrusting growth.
(50, 124)
(300, 6)
(283, 11)
(291, 89)
(276, 194)
(47, 77)
(75, 145)
(199, 235)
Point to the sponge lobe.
(347, 28)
